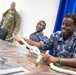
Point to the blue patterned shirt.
(66, 49)
(38, 36)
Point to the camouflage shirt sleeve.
(17, 21)
(1, 22)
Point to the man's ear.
(44, 28)
(75, 27)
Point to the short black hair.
(72, 16)
(43, 22)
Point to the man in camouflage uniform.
(11, 20)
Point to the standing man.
(11, 21)
(38, 35)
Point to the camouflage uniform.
(11, 20)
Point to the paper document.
(8, 67)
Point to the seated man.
(62, 42)
(38, 35)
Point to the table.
(21, 56)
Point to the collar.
(73, 36)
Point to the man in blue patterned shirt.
(62, 42)
(38, 35)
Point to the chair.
(3, 33)
(50, 52)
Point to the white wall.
(32, 11)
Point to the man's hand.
(48, 58)
(19, 41)
(15, 33)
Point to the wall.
(32, 11)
